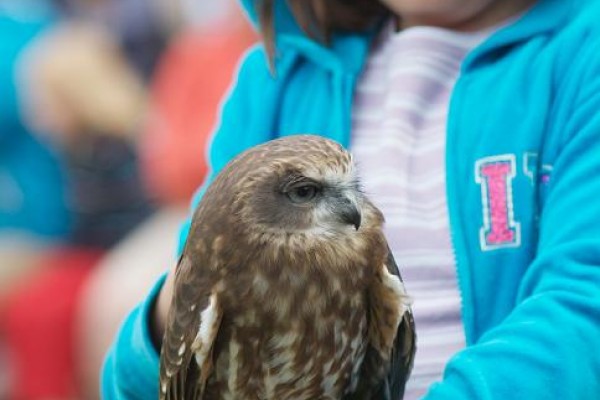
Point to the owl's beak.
(350, 213)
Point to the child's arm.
(131, 367)
(549, 346)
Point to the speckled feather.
(276, 301)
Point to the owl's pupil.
(304, 191)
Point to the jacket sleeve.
(131, 367)
(548, 346)
(130, 370)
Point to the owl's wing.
(391, 337)
(403, 351)
(192, 327)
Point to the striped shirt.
(398, 141)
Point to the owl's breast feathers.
(289, 335)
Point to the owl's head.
(299, 185)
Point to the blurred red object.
(191, 79)
(39, 326)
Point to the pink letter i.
(495, 175)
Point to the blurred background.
(106, 108)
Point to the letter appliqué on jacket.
(495, 175)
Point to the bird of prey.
(286, 288)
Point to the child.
(485, 108)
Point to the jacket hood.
(348, 51)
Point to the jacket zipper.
(456, 234)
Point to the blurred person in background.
(189, 82)
(142, 27)
(81, 99)
(89, 104)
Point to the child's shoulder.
(578, 41)
(583, 21)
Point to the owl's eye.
(303, 193)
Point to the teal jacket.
(523, 189)
(32, 182)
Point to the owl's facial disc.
(306, 200)
(327, 200)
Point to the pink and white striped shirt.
(398, 141)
